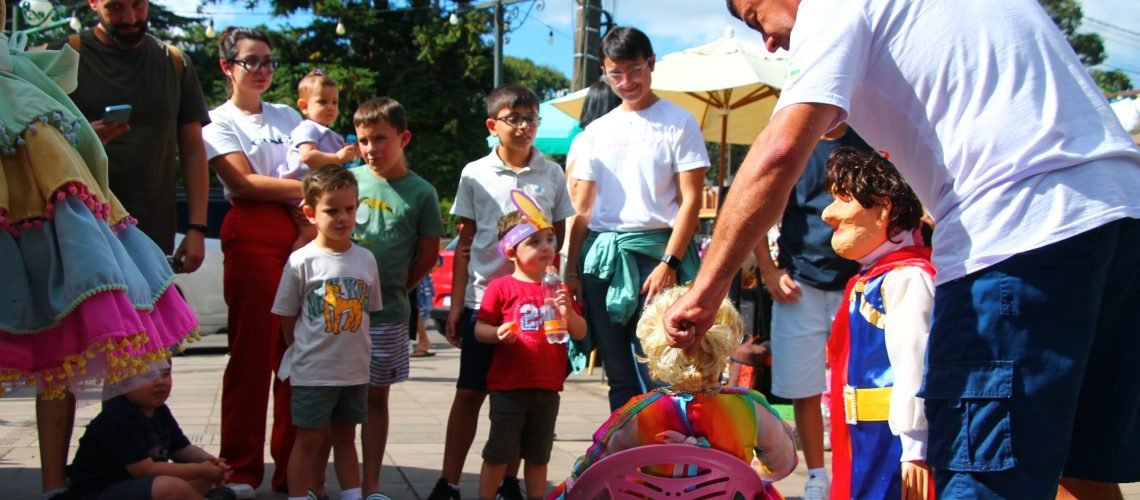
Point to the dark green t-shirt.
(392, 217)
(142, 162)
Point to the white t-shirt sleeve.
(908, 298)
(220, 136)
(289, 291)
(830, 52)
(464, 205)
(583, 156)
(689, 150)
(305, 132)
(375, 301)
(563, 208)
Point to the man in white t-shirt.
(639, 171)
(1035, 188)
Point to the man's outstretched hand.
(687, 321)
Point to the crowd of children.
(345, 322)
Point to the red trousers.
(257, 238)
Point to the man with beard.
(121, 64)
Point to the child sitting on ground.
(527, 369)
(660, 417)
(326, 291)
(312, 143)
(878, 341)
(128, 450)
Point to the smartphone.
(119, 113)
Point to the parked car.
(202, 289)
(441, 280)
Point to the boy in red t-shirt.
(526, 372)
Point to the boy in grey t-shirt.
(326, 292)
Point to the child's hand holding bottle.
(507, 332)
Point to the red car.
(441, 280)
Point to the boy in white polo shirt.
(482, 198)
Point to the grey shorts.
(315, 407)
(522, 425)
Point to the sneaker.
(444, 491)
(312, 495)
(817, 488)
(221, 493)
(509, 489)
(242, 491)
(377, 496)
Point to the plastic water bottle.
(552, 321)
(349, 140)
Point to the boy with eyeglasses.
(482, 198)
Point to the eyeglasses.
(631, 72)
(252, 65)
(516, 121)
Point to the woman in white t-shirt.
(639, 173)
(246, 141)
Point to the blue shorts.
(474, 356)
(1031, 369)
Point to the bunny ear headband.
(535, 222)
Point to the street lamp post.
(496, 7)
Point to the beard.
(115, 31)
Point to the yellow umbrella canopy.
(729, 85)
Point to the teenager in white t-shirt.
(1035, 189)
(640, 172)
(246, 141)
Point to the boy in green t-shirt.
(399, 221)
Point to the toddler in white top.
(312, 144)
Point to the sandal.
(421, 353)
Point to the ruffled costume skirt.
(85, 297)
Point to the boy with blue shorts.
(482, 198)
(399, 222)
(326, 291)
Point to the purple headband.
(515, 236)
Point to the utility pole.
(498, 61)
(587, 40)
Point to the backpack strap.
(179, 63)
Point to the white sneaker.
(242, 491)
(817, 488)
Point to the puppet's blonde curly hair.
(671, 365)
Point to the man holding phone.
(143, 99)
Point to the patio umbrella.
(729, 85)
(555, 133)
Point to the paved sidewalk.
(415, 445)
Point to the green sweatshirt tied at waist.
(609, 256)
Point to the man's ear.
(405, 138)
(651, 62)
(491, 127)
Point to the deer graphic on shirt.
(335, 306)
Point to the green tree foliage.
(545, 81)
(406, 50)
(1067, 14)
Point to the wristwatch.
(671, 261)
(201, 228)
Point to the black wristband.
(671, 261)
(201, 228)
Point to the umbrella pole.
(723, 153)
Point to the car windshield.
(452, 244)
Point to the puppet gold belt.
(866, 405)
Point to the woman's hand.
(451, 327)
(661, 278)
(782, 287)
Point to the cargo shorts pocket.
(968, 408)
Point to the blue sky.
(674, 25)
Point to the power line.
(1114, 27)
